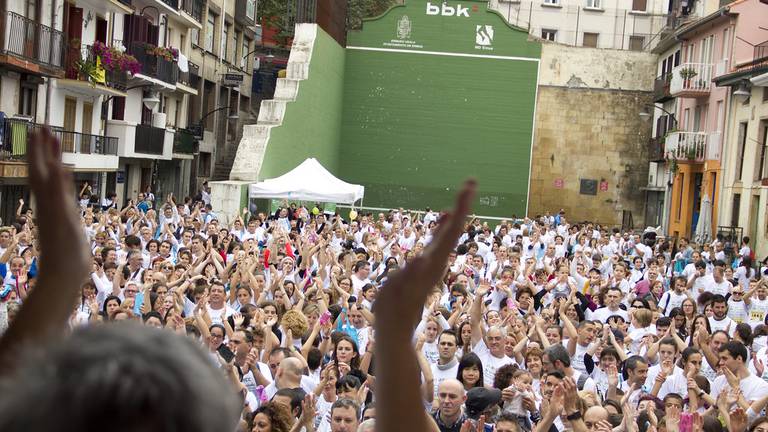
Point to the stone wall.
(588, 128)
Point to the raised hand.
(401, 301)
(64, 255)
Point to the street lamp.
(646, 114)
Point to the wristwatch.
(574, 416)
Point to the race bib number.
(757, 316)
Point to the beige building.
(124, 127)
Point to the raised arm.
(64, 258)
(398, 393)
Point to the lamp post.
(645, 114)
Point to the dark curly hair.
(279, 416)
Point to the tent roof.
(309, 181)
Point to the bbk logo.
(446, 10)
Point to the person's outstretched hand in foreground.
(399, 308)
(64, 259)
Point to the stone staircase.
(223, 167)
(249, 153)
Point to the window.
(594, 4)
(590, 40)
(741, 149)
(118, 108)
(223, 41)
(210, 28)
(735, 209)
(195, 37)
(552, 2)
(636, 43)
(765, 94)
(550, 35)
(204, 165)
(250, 9)
(27, 99)
(639, 5)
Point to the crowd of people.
(535, 324)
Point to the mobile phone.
(138, 302)
(325, 318)
(226, 353)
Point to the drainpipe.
(47, 118)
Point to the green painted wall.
(417, 122)
(311, 127)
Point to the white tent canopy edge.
(309, 181)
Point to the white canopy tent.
(309, 181)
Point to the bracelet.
(574, 416)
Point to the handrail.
(15, 133)
(34, 41)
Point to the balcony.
(693, 147)
(656, 149)
(184, 142)
(191, 78)
(29, 46)
(79, 60)
(691, 80)
(661, 88)
(149, 140)
(154, 66)
(82, 151)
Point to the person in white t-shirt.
(716, 283)
(733, 358)
(757, 298)
(719, 319)
(490, 348)
(556, 358)
(738, 308)
(447, 365)
(612, 301)
(674, 298)
(217, 305)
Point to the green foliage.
(277, 14)
(359, 9)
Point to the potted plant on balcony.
(687, 74)
(105, 59)
(168, 54)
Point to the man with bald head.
(289, 375)
(449, 415)
(594, 415)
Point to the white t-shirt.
(670, 300)
(738, 311)
(654, 371)
(219, 315)
(577, 361)
(431, 352)
(490, 363)
(752, 387)
(726, 324)
(439, 375)
(602, 314)
(723, 287)
(675, 383)
(757, 311)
